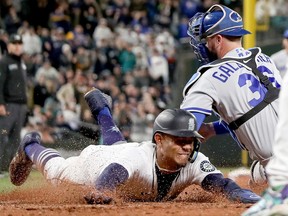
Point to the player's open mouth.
(184, 155)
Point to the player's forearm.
(217, 183)
(112, 176)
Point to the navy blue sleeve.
(217, 183)
(219, 128)
(112, 176)
(229, 188)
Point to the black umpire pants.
(10, 130)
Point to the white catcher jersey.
(230, 90)
(137, 158)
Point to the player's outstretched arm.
(208, 130)
(217, 183)
(112, 176)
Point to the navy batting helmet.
(176, 122)
(180, 123)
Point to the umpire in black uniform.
(13, 100)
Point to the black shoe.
(21, 166)
(97, 100)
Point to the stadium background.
(223, 151)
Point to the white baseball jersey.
(230, 90)
(280, 59)
(137, 158)
(277, 167)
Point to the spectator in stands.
(48, 71)
(127, 58)
(60, 18)
(158, 68)
(32, 43)
(66, 58)
(102, 31)
(40, 91)
(47, 43)
(90, 19)
(12, 21)
(82, 59)
(3, 42)
(66, 93)
(58, 39)
(188, 8)
(165, 11)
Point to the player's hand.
(95, 197)
(243, 196)
(207, 131)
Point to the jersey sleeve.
(200, 97)
(134, 159)
(200, 168)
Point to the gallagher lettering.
(225, 71)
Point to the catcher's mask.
(218, 19)
(180, 123)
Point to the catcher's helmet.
(222, 20)
(176, 122)
(218, 19)
(180, 123)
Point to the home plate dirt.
(64, 201)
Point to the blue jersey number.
(255, 86)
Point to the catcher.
(239, 86)
(147, 171)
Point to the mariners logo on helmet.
(176, 122)
(191, 124)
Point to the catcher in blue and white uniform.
(150, 171)
(240, 86)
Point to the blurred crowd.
(126, 48)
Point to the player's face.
(212, 44)
(173, 152)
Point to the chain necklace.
(166, 170)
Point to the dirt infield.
(48, 200)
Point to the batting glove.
(243, 196)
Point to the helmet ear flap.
(196, 148)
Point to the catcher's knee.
(257, 174)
